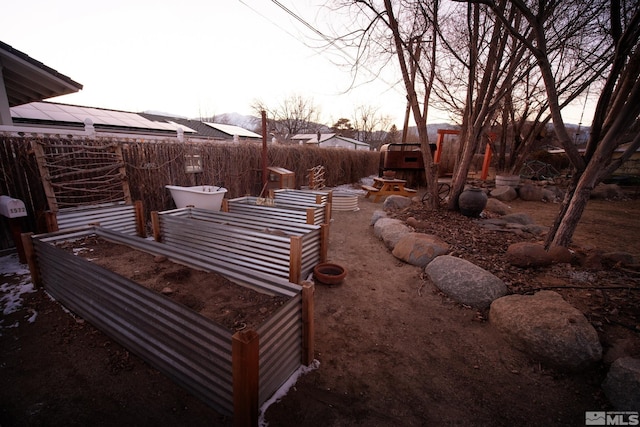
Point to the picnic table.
(386, 187)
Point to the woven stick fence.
(149, 166)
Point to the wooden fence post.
(310, 216)
(155, 225)
(140, 226)
(30, 255)
(225, 205)
(295, 259)
(327, 213)
(51, 219)
(308, 325)
(324, 242)
(245, 359)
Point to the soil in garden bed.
(212, 295)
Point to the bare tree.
(616, 120)
(368, 123)
(295, 114)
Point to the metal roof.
(233, 130)
(51, 113)
(27, 80)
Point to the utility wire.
(326, 38)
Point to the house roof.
(65, 115)
(312, 138)
(27, 80)
(233, 130)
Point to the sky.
(198, 58)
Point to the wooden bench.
(369, 190)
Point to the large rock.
(396, 202)
(377, 215)
(419, 248)
(547, 327)
(526, 254)
(504, 193)
(498, 207)
(390, 231)
(622, 385)
(518, 218)
(530, 193)
(607, 192)
(464, 281)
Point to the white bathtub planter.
(200, 196)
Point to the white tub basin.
(200, 196)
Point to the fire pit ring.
(329, 273)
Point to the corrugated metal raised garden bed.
(231, 357)
(274, 246)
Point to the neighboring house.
(24, 80)
(209, 130)
(25, 83)
(104, 122)
(330, 140)
(94, 121)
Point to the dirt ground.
(392, 349)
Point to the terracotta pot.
(472, 202)
(329, 274)
(389, 174)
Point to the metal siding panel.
(192, 350)
(169, 336)
(280, 347)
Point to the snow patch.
(284, 389)
(16, 281)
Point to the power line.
(326, 38)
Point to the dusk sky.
(199, 58)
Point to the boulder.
(618, 257)
(419, 248)
(504, 193)
(413, 222)
(390, 231)
(377, 215)
(547, 327)
(560, 255)
(526, 254)
(607, 192)
(518, 218)
(622, 384)
(549, 195)
(497, 207)
(464, 281)
(530, 193)
(394, 202)
(536, 230)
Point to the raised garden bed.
(302, 196)
(288, 210)
(233, 364)
(269, 245)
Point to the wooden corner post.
(139, 211)
(30, 256)
(308, 325)
(324, 242)
(155, 225)
(295, 259)
(245, 359)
